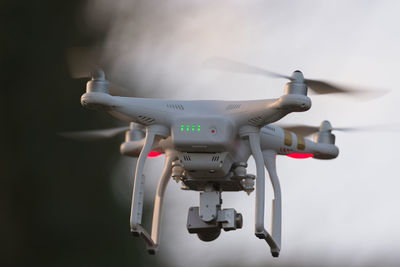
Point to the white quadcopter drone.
(207, 145)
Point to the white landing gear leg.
(170, 156)
(138, 186)
(276, 226)
(273, 240)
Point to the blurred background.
(65, 203)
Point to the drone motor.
(296, 84)
(98, 83)
(324, 135)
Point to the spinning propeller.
(94, 135)
(136, 132)
(88, 63)
(134, 138)
(305, 130)
(317, 86)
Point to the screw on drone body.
(239, 220)
(240, 169)
(184, 187)
(177, 170)
(248, 183)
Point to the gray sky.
(335, 212)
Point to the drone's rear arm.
(284, 142)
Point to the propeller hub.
(98, 74)
(296, 84)
(98, 83)
(297, 76)
(325, 126)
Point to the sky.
(343, 211)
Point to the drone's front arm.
(144, 111)
(258, 113)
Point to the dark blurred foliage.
(56, 204)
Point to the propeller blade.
(85, 63)
(323, 87)
(352, 129)
(82, 61)
(93, 135)
(235, 66)
(316, 86)
(371, 128)
(305, 130)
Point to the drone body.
(207, 145)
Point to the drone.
(207, 144)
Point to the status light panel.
(190, 127)
(202, 134)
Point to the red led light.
(153, 154)
(300, 155)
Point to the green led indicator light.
(190, 127)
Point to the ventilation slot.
(256, 121)
(146, 120)
(215, 158)
(232, 106)
(175, 106)
(186, 158)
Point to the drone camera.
(227, 219)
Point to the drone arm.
(170, 156)
(260, 231)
